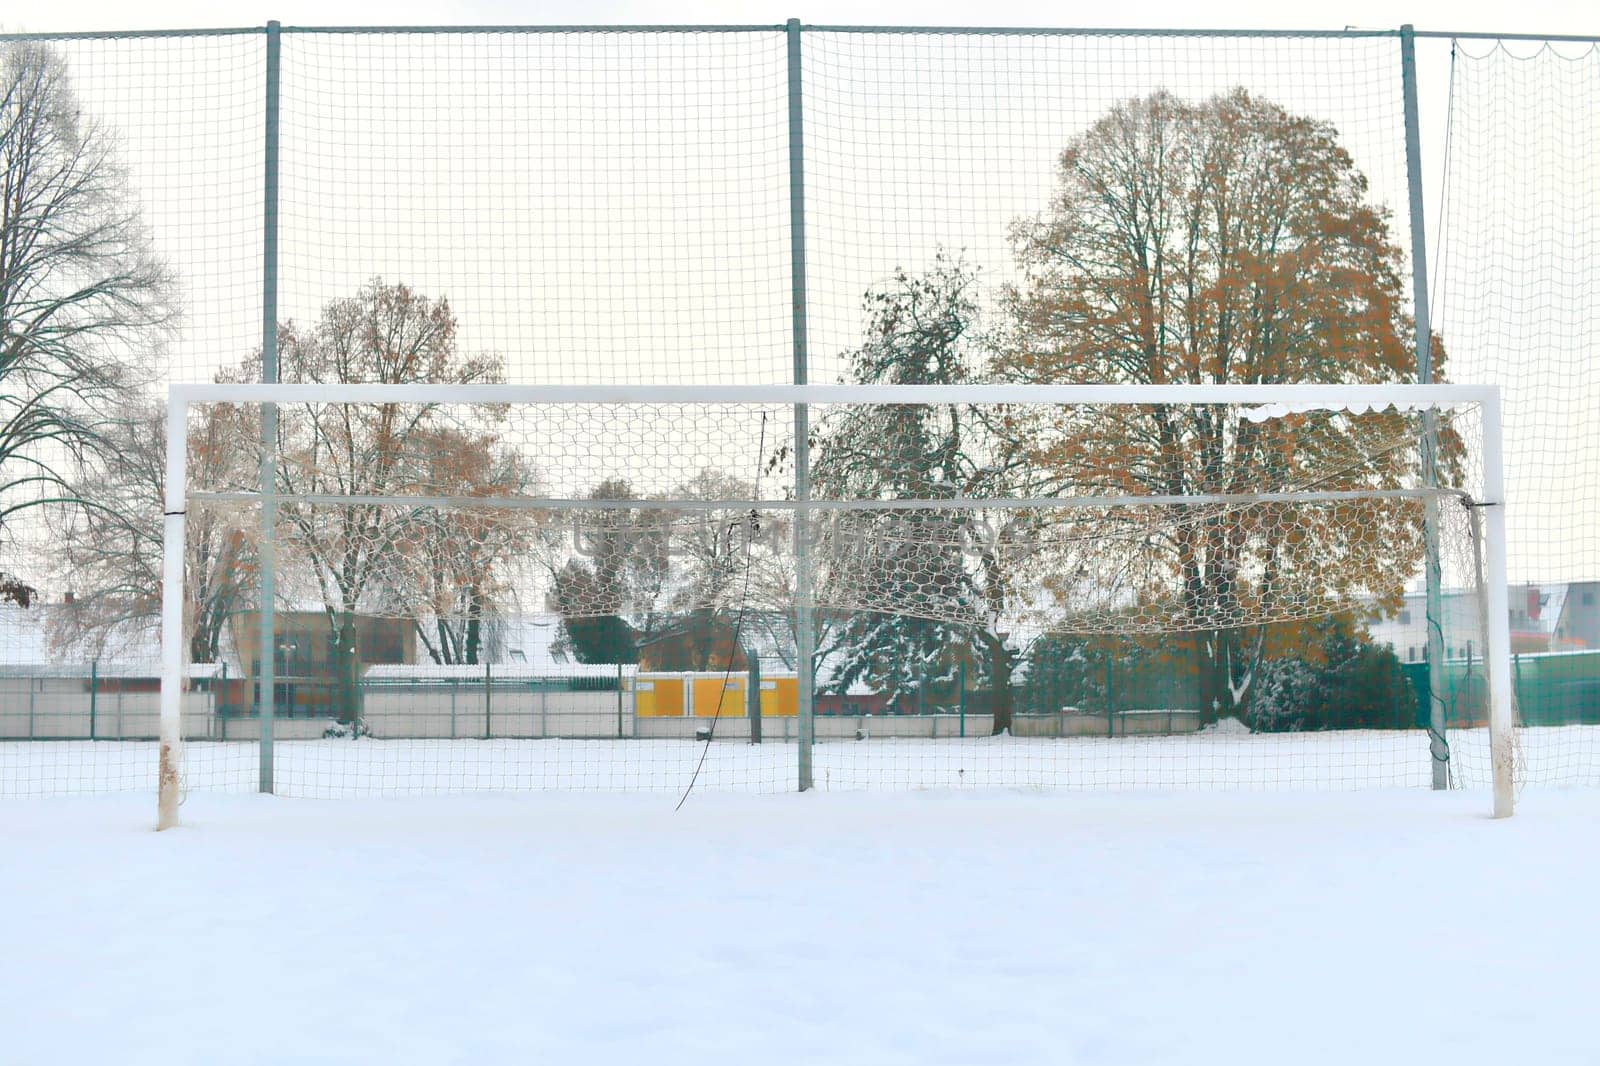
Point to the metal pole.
(961, 695)
(752, 695)
(94, 669)
(1111, 703)
(269, 411)
(805, 634)
(172, 642)
(1423, 340)
(1497, 656)
(488, 701)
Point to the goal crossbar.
(1106, 395)
(941, 503)
(1486, 398)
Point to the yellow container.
(662, 695)
(780, 697)
(658, 696)
(708, 687)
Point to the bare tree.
(386, 333)
(608, 574)
(725, 564)
(83, 300)
(452, 569)
(109, 554)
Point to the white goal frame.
(1487, 397)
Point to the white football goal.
(425, 587)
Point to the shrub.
(1347, 682)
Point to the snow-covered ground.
(984, 927)
(1212, 760)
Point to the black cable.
(738, 622)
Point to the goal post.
(1090, 533)
(1497, 610)
(170, 768)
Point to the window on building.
(1588, 599)
(1405, 618)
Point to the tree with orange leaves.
(386, 333)
(451, 572)
(1215, 242)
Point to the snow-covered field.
(1219, 760)
(951, 927)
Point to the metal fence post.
(94, 670)
(752, 695)
(488, 702)
(961, 694)
(269, 412)
(1111, 702)
(805, 634)
(1423, 340)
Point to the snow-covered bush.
(346, 731)
(1346, 683)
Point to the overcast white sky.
(741, 238)
(1533, 16)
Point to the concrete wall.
(233, 728)
(933, 726)
(57, 708)
(1120, 724)
(459, 711)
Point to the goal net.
(421, 588)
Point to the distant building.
(1577, 621)
(304, 641)
(1552, 617)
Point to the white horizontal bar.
(1322, 395)
(955, 503)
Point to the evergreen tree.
(947, 590)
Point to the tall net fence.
(1518, 303)
(593, 207)
(130, 256)
(596, 207)
(933, 152)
